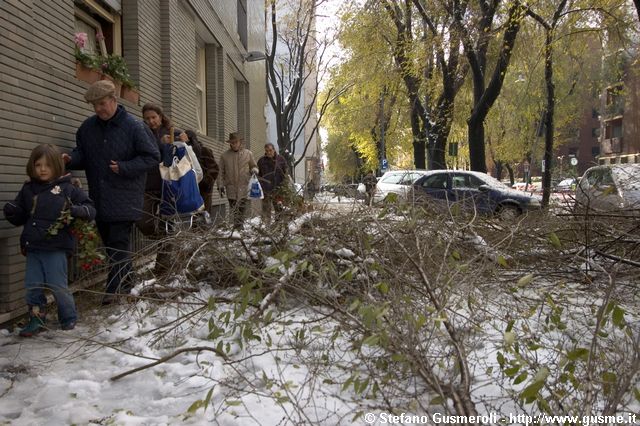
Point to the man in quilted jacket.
(116, 150)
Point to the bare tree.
(295, 66)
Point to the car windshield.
(392, 178)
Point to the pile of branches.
(437, 307)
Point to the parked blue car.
(473, 191)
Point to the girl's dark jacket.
(126, 140)
(39, 205)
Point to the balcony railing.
(615, 109)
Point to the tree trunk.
(476, 146)
(419, 153)
(437, 143)
(498, 171)
(512, 177)
(548, 137)
(419, 138)
(485, 98)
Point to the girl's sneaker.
(35, 326)
(36, 321)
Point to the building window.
(242, 99)
(613, 129)
(201, 87)
(242, 22)
(595, 151)
(101, 21)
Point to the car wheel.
(508, 212)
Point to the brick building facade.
(186, 55)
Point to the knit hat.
(100, 89)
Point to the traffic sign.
(384, 164)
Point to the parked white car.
(397, 182)
(607, 188)
(566, 185)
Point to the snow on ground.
(293, 374)
(64, 377)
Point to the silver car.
(610, 188)
(396, 182)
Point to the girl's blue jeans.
(49, 269)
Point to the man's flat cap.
(100, 89)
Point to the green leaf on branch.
(530, 393)
(555, 241)
(578, 353)
(383, 287)
(509, 338)
(512, 371)
(195, 406)
(502, 261)
(608, 382)
(617, 317)
(525, 281)
(521, 378)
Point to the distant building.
(620, 113)
(585, 148)
(189, 56)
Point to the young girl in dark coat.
(38, 207)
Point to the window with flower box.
(98, 44)
(102, 24)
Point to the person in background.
(370, 183)
(272, 173)
(39, 207)
(116, 150)
(236, 166)
(160, 125)
(209, 167)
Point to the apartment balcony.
(611, 146)
(613, 111)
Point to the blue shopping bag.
(255, 189)
(180, 193)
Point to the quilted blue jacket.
(39, 205)
(126, 140)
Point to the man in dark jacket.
(116, 150)
(273, 175)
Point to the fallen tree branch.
(168, 357)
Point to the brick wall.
(43, 103)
